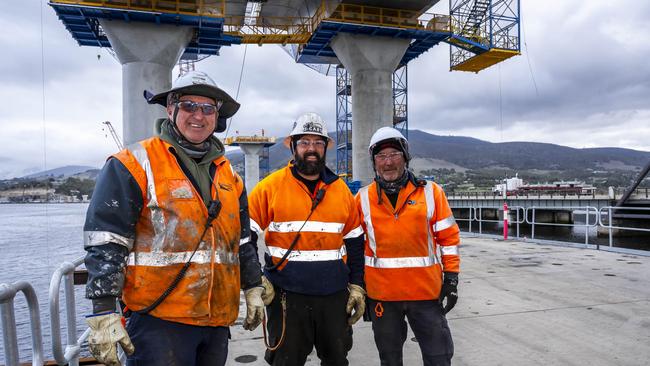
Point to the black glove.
(449, 291)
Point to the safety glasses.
(206, 108)
(394, 156)
(315, 143)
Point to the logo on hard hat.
(312, 127)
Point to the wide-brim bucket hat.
(199, 83)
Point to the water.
(34, 240)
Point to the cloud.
(582, 80)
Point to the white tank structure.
(252, 147)
(369, 38)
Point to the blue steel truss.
(400, 100)
(318, 51)
(343, 123)
(83, 23)
(484, 32)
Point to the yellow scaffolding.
(485, 60)
(249, 139)
(277, 30)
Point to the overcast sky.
(583, 80)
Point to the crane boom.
(116, 138)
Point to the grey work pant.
(427, 322)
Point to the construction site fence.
(601, 219)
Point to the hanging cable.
(500, 107)
(530, 68)
(241, 74)
(47, 181)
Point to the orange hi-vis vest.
(279, 206)
(169, 227)
(409, 246)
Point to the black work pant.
(312, 321)
(160, 342)
(428, 323)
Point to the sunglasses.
(206, 108)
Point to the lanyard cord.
(318, 199)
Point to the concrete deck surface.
(522, 303)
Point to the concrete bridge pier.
(251, 164)
(371, 61)
(148, 53)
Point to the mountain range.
(434, 152)
(466, 153)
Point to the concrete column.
(251, 164)
(371, 61)
(147, 52)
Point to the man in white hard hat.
(167, 232)
(314, 252)
(411, 255)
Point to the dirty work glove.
(106, 330)
(254, 307)
(269, 291)
(449, 291)
(356, 301)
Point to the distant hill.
(462, 153)
(65, 171)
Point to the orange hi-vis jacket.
(409, 246)
(169, 227)
(278, 207)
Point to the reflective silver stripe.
(308, 255)
(431, 210)
(310, 226)
(443, 224)
(449, 249)
(401, 262)
(428, 196)
(93, 238)
(162, 259)
(256, 227)
(365, 208)
(358, 231)
(245, 240)
(140, 154)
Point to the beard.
(310, 167)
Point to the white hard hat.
(199, 83)
(309, 124)
(387, 134)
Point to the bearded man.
(314, 252)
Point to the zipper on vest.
(397, 211)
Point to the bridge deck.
(527, 304)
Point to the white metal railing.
(587, 210)
(9, 333)
(609, 211)
(528, 215)
(73, 349)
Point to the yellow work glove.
(356, 301)
(254, 307)
(269, 292)
(105, 332)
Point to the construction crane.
(116, 138)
